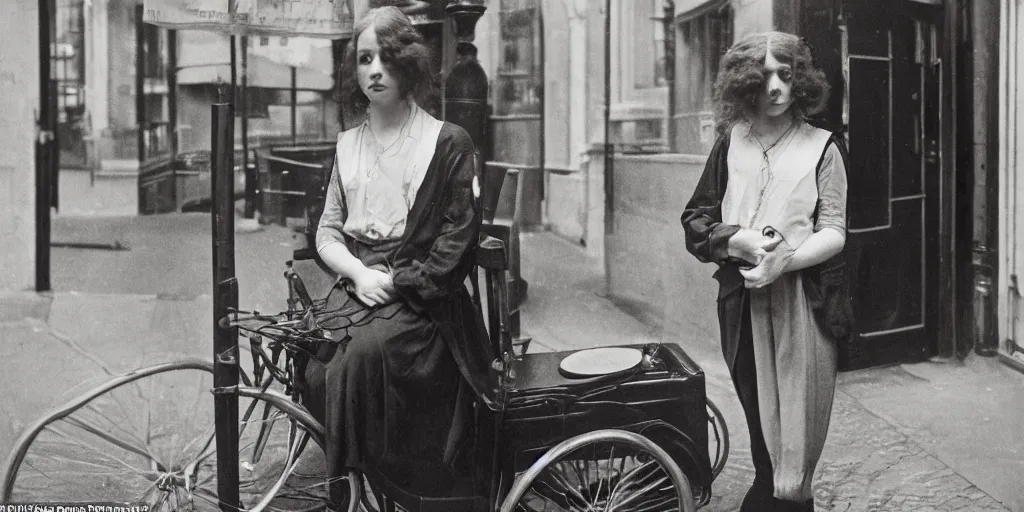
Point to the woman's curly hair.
(741, 77)
(402, 51)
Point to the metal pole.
(295, 99)
(243, 102)
(542, 62)
(609, 150)
(225, 298)
(949, 324)
(46, 146)
(172, 87)
(986, 103)
(140, 85)
(234, 74)
(668, 24)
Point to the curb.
(16, 306)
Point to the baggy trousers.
(760, 497)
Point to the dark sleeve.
(447, 264)
(707, 237)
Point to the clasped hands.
(373, 286)
(766, 250)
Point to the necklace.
(385, 149)
(765, 150)
(766, 169)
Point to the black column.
(949, 323)
(466, 84)
(46, 145)
(225, 298)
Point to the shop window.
(154, 119)
(518, 87)
(68, 58)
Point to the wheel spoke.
(605, 470)
(641, 492)
(124, 445)
(100, 415)
(136, 440)
(104, 453)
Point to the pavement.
(931, 436)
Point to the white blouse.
(379, 182)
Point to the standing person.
(400, 221)
(770, 210)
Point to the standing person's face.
(375, 80)
(777, 95)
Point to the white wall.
(19, 98)
(1011, 169)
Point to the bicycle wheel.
(604, 470)
(718, 439)
(148, 437)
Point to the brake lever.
(299, 287)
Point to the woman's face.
(777, 95)
(376, 81)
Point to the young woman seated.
(400, 222)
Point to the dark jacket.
(707, 238)
(437, 251)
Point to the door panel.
(890, 276)
(870, 134)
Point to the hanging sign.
(332, 19)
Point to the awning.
(262, 72)
(687, 10)
(313, 18)
(331, 19)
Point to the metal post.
(46, 146)
(233, 43)
(295, 99)
(140, 85)
(225, 298)
(949, 323)
(540, 62)
(668, 24)
(609, 148)
(243, 106)
(172, 87)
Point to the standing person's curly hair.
(402, 50)
(741, 78)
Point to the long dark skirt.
(386, 398)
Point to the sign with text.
(73, 507)
(332, 19)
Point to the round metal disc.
(600, 361)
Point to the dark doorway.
(884, 61)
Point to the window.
(650, 58)
(702, 40)
(518, 87)
(639, 114)
(155, 117)
(68, 60)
